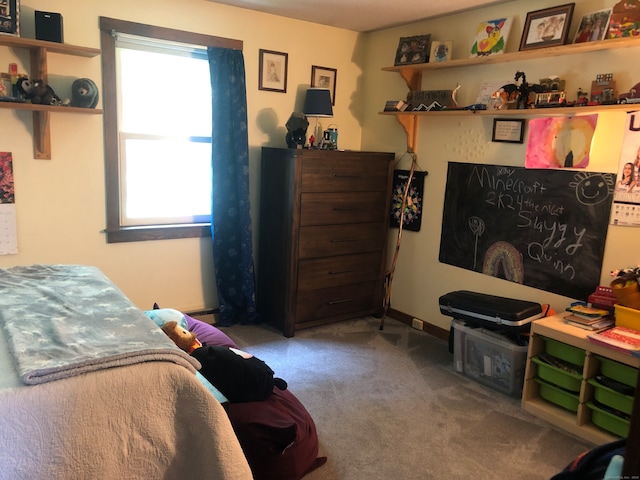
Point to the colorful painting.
(7, 191)
(560, 142)
(491, 37)
(413, 209)
(625, 19)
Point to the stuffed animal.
(38, 92)
(182, 337)
(25, 88)
(240, 376)
(84, 93)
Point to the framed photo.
(10, 17)
(548, 27)
(510, 131)
(272, 74)
(441, 51)
(593, 26)
(324, 77)
(413, 50)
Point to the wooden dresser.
(324, 218)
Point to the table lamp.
(317, 104)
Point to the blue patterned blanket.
(64, 320)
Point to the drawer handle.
(341, 240)
(337, 175)
(344, 209)
(335, 302)
(341, 272)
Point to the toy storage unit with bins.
(489, 357)
(579, 386)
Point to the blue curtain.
(231, 220)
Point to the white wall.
(60, 203)
(419, 278)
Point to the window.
(157, 136)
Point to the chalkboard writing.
(539, 227)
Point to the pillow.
(278, 436)
(164, 315)
(208, 334)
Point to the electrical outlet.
(416, 323)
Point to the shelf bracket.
(410, 125)
(413, 78)
(41, 136)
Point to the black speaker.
(49, 27)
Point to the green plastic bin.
(557, 376)
(558, 396)
(611, 398)
(618, 371)
(608, 421)
(565, 352)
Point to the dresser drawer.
(331, 302)
(324, 241)
(343, 207)
(340, 175)
(340, 270)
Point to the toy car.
(632, 96)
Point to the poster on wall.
(626, 198)
(415, 195)
(8, 235)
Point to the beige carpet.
(388, 405)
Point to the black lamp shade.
(317, 103)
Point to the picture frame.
(412, 50)
(9, 17)
(441, 51)
(325, 77)
(593, 26)
(548, 27)
(272, 75)
(508, 130)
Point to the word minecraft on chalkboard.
(539, 227)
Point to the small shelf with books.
(579, 416)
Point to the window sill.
(154, 232)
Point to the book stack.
(395, 106)
(589, 318)
(623, 339)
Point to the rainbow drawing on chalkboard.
(560, 142)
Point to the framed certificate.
(511, 130)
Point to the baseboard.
(429, 328)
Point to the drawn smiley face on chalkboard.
(592, 188)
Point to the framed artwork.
(491, 37)
(10, 17)
(413, 50)
(324, 77)
(272, 74)
(510, 131)
(625, 19)
(593, 26)
(441, 51)
(548, 27)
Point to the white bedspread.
(132, 417)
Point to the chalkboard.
(539, 227)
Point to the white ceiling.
(360, 15)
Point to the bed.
(90, 387)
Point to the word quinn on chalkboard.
(539, 227)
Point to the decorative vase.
(627, 293)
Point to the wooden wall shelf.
(412, 75)
(38, 50)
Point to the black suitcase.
(500, 314)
